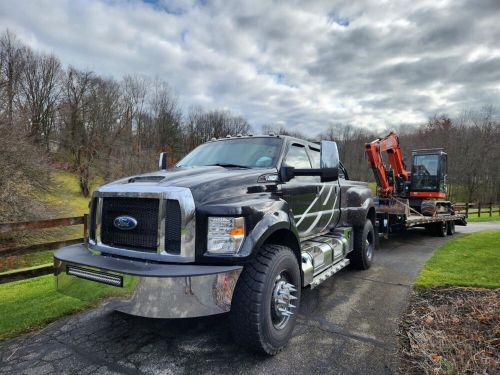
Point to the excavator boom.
(389, 144)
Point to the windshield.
(244, 152)
(424, 174)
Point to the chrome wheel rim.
(284, 293)
(369, 246)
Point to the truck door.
(328, 204)
(301, 192)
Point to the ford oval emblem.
(125, 222)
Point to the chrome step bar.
(326, 274)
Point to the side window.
(315, 157)
(297, 157)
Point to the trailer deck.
(395, 215)
(417, 220)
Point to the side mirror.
(162, 163)
(329, 161)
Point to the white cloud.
(303, 64)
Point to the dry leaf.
(435, 357)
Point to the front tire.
(266, 300)
(364, 245)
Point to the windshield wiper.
(228, 165)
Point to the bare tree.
(11, 63)
(135, 91)
(203, 125)
(73, 114)
(40, 87)
(24, 172)
(167, 119)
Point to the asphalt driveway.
(348, 325)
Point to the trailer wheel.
(364, 245)
(266, 300)
(440, 228)
(451, 228)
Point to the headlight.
(225, 234)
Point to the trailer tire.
(263, 289)
(451, 228)
(363, 247)
(440, 228)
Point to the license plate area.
(97, 276)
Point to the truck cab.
(240, 225)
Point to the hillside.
(62, 198)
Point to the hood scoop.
(145, 179)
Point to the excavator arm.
(389, 144)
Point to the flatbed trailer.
(395, 215)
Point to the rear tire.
(266, 300)
(451, 228)
(364, 246)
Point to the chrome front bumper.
(151, 290)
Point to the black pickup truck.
(239, 225)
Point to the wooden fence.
(20, 250)
(485, 209)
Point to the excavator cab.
(428, 174)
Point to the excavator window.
(425, 173)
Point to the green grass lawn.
(32, 303)
(64, 192)
(485, 216)
(469, 260)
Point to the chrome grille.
(160, 208)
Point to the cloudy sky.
(305, 65)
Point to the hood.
(207, 183)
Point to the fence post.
(491, 209)
(479, 209)
(467, 209)
(85, 224)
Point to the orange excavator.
(411, 198)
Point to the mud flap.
(377, 237)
